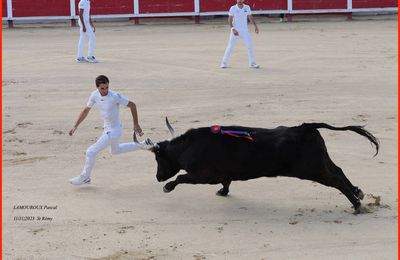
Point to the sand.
(312, 70)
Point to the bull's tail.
(358, 129)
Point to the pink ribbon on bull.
(238, 134)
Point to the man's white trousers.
(232, 39)
(108, 138)
(92, 38)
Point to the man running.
(108, 101)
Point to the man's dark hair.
(101, 79)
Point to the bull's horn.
(146, 145)
(171, 130)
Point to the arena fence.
(28, 10)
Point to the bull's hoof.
(360, 194)
(222, 192)
(357, 209)
(170, 186)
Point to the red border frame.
(1, 141)
(398, 135)
(4, 11)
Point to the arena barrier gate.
(28, 10)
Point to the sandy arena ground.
(329, 70)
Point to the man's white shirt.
(85, 5)
(109, 107)
(240, 17)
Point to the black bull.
(212, 158)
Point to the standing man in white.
(238, 15)
(108, 102)
(86, 29)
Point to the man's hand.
(235, 32)
(84, 29)
(72, 131)
(256, 30)
(137, 129)
(92, 25)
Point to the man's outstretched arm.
(81, 117)
(136, 126)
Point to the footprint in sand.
(58, 132)
(199, 257)
(19, 153)
(123, 230)
(13, 139)
(9, 82)
(123, 211)
(11, 131)
(24, 124)
(228, 115)
(25, 160)
(35, 231)
(362, 118)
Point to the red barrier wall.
(267, 5)
(4, 8)
(223, 6)
(319, 4)
(216, 5)
(102, 7)
(24, 8)
(374, 3)
(164, 6)
(32, 8)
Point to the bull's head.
(167, 164)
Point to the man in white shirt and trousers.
(108, 101)
(238, 15)
(86, 29)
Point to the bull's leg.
(337, 170)
(337, 182)
(356, 191)
(325, 172)
(184, 178)
(225, 189)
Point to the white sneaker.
(224, 65)
(81, 60)
(91, 59)
(254, 66)
(79, 180)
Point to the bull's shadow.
(260, 201)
